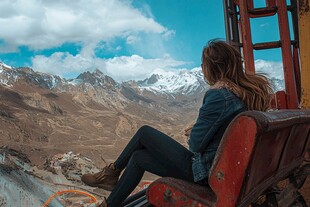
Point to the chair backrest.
(258, 150)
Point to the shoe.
(105, 179)
(104, 203)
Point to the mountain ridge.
(182, 82)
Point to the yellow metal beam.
(304, 45)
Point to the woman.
(231, 92)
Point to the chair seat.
(176, 192)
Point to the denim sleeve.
(210, 113)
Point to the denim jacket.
(219, 107)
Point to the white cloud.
(136, 67)
(41, 24)
(131, 39)
(63, 64)
(91, 24)
(126, 68)
(168, 34)
(120, 68)
(264, 25)
(271, 68)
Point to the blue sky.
(125, 39)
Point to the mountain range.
(93, 108)
(182, 82)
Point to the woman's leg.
(157, 143)
(141, 161)
(165, 149)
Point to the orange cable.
(93, 199)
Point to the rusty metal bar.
(294, 13)
(263, 12)
(269, 10)
(271, 45)
(267, 45)
(248, 55)
(231, 23)
(297, 71)
(288, 67)
(293, 9)
(250, 4)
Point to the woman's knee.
(144, 131)
(144, 128)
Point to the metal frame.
(239, 22)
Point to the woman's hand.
(188, 130)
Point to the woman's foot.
(105, 179)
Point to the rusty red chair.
(258, 150)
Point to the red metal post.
(250, 4)
(281, 102)
(297, 71)
(270, 3)
(288, 67)
(248, 54)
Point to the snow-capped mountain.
(7, 75)
(10, 75)
(184, 82)
(175, 82)
(3, 65)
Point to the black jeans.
(153, 151)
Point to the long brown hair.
(222, 62)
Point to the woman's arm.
(208, 122)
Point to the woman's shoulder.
(222, 97)
(214, 92)
(220, 92)
(214, 97)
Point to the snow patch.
(176, 81)
(75, 82)
(5, 65)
